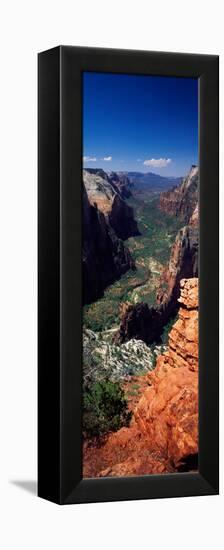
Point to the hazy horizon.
(162, 175)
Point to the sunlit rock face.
(183, 261)
(181, 200)
(105, 257)
(168, 411)
(107, 193)
(163, 435)
(107, 221)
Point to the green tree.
(105, 408)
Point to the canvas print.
(140, 275)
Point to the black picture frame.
(60, 276)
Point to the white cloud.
(157, 163)
(107, 158)
(89, 159)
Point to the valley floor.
(151, 251)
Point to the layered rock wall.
(105, 257)
(107, 193)
(182, 199)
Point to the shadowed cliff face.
(105, 257)
(163, 434)
(121, 184)
(106, 192)
(107, 221)
(182, 199)
(142, 322)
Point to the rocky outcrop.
(107, 221)
(142, 322)
(181, 200)
(105, 257)
(163, 435)
(121, 184)
(183, 263)
(168, 410)
(106, 192)
(104, 359)
(194, 220)
(147, 322)
(183, 338)
(118, 180)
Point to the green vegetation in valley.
(151, 251)
(158, 230)
(104, 313)
(105, 409)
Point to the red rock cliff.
(181, 200)
(163, 436)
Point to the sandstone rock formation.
(168, 410)
(105, 192)
(121, 184)
(105, 257)
(163, 435)
(181, 200)
(194, 220)
(183, 263)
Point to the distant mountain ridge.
(124, 181)
(145, 181)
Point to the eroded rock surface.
(183, 263)
(181, 200)
(107, 193)
(105, 256)
(163, 435)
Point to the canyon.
(146, 322)
(140, 270)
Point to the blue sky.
(142, 123)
